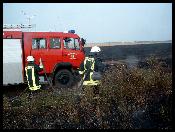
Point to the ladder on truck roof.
(16, 26)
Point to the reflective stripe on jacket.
(32, 76)
(89, 62)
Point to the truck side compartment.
(12, 61)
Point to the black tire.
(63, 78)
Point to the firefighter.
(32, 74)
(92, 68)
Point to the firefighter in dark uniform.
(91, 65)
(32, 74)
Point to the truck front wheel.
(63, 78)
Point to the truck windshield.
(71, 43)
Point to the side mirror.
(83, 41)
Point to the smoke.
(131, 61)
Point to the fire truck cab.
(61, 54)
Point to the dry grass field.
(129, 98)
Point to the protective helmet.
(95, 49)
(30, 58)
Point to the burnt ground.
(129, 98)
(135, 52)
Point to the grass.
(124, 93)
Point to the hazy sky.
(102, 22)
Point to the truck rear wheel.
(63, 78)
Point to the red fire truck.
(61, 54)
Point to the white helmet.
(95, 49)
(30, 58)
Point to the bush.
(128, 99)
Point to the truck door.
(72, 52)
(54, 53)
(39, 50)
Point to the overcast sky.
(102, 22)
